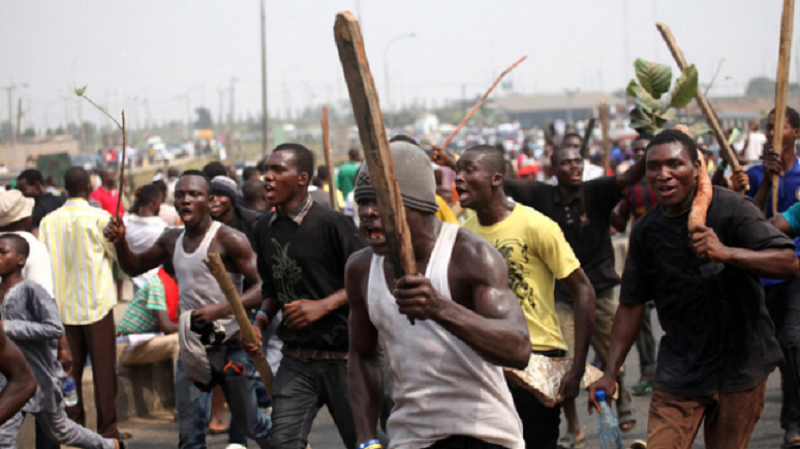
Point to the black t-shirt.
(43, 205)
(307, 262)
(585, 221)
(719, 337)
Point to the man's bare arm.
(780, 222)
(239, 251)
(134, 264)
(632, 175)
(584, 299)
(21, 383)
(363, 368)
(492, 322)
(621, 215)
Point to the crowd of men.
(509, 269)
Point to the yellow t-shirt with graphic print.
(537, 254)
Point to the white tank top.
(196, 285)
(441, 387)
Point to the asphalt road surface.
(163, 433)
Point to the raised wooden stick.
(479, 103)
(367, 112)
(217, 268)
(606, 137)
(782, 88)
(726, 151)
(326, 147)
(587, 135)
(122, 164)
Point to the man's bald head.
(492, 156)
(255, 195)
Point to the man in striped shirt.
(85, 291)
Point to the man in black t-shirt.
(31, 183)
(583, 211)
(302, 250)
(719, 344)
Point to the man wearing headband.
(467, 326)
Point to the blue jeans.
(300, 390)
(240, 392)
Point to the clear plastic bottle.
(70, 392)
(608, 429)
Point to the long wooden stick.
(122, 164)
(217, 268)
(367, 112)
(326, 148)
(587, 135)
(479, 103)
(726, 151)
(606, 137)
(782, 88)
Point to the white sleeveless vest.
(196, 285)
(440, 386)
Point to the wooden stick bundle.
(479, 103)
(367, 112)
(326, 147)
(217, 268)
(782, 88)
(726, 151)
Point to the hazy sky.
(160, 50)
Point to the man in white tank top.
(200, 293)
(448, 386)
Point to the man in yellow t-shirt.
(537, 255)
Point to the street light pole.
(264, 123)
(386, 65)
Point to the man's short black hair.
(76, 180)
(199, 174)
(303, 158)
(641, 137)
(493, 156)
(674, 135)
(558, 151)
(31, 176)
(173, 172)
(19, 244)
(147, 194)
(568, 135)
(252, 189)
(162, 186)
(791, 116)
(214, 169)
(353, 154)
(248, 173)
(323, 173)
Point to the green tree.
(204, 120)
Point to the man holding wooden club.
(201, 295)
(447, 383)
(719, 345)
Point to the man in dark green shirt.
(348, 171)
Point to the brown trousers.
(97, 340)
(728, 419)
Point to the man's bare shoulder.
(359, 262)
(484, 259)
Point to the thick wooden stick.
(479, 103)
(782, 88)
(326, 147)
(726, 151)
(587, 135)
(217, 268)
(367, 112)
(606, 137)
(122, 164)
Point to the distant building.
(540, 109)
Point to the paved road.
(158, 434)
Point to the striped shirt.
(82, 257)
(139, 317)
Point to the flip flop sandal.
(638, 444)
(642, 388)
(570, 442)
(627, 421)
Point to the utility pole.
(265, 115)
(220, 123)
(233, 116)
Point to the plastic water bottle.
(70, 393)
(610, 436)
